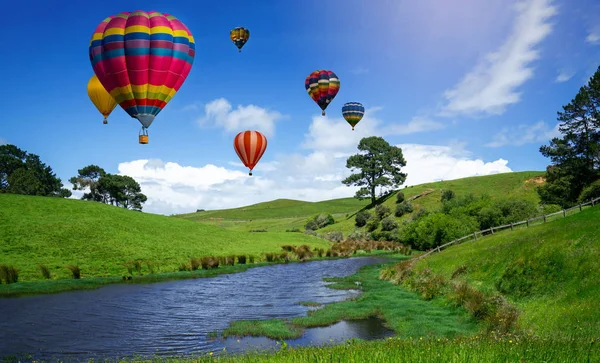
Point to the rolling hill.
(100, 238)
(550, 271)
(284, 214)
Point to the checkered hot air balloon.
(250, 147)
(322, 86)
(353, 112)
(239, 36)
(142, 59)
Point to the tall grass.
(45, 271)
(75, 271)
(8, 274)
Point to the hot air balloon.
(353, 112)
(103, 101)
(239, 36)
(322, 86)
(142, 59)
(250, 147)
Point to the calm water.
(174, 318)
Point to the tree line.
(24, 173)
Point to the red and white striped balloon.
(250, 147)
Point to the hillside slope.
(283, 214)
(550, 271)
(101, 238)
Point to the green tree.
(88, 178)
(28, 167)
(378, 164)
(121, 191)
(575, 156)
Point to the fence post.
(564, 213)
(511, 227)
(475, 234)
(492, 229)
(438, 248)
(528, 223)
(580, 207)
(592, 202)
(544, 218)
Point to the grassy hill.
(284, 214)
(101, 238)
(550, 271)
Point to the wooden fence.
(527, 223)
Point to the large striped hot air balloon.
(239, 36)
(103, 101)
(353, 112)
(250, 147)
(322, 86)
(142, 59)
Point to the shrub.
(195, 263)
(9, 274)
(230, 260)
(75, 271)
(251, 259)
(399, 197)
(45, 271)
(361, 218)
(382, 211)
(389, 224)
(372, 224)
(358, 235)
(242, 260)
(270, 257)
(335, 236)
(259, 230)
(324, 220)
(403, 208)
(311, 225)
(293, 230)
(199, 210)
(288, 248)
(206, 263)
(447, 195)
(590, 192)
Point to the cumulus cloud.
(174, 188)
(493, 83)
(75, 194)
(525, 134)
(327, 133)
(564, 76)
(221, 113)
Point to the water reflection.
(169, 318)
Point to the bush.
(372, 224)
(403, 208)
(335, 236)
(382, 211)
(590, 192)
(258, 230)
(399, 197)
(389, 224)
(242, 260)
(447, 195)
(311, 225)
(358, 235)
(546, 209)
(361, 218)
(293, 230)
(324, 220)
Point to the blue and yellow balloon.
(353, 112)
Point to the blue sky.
(465, 89)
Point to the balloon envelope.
(103, 101)
(142, 59)
(250, 147)
(239, 36)
(322, 86)
(353, 112)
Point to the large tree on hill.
(576, 155)
(118, 190)
(378, 164)
(25, 173)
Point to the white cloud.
(564, 76)
(221, 113)
(593, 37)
(76, 194)
(525, 134)
(326, 133)
(492, 84)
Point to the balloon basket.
(105, 121)
(143, 138)
(250, 173)
(323, 113)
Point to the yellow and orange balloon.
(103, 101)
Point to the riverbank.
(401, 310)
(40, 287)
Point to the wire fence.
(527, 223)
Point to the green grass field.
(283, 214)
(550, 271)
(101, 238)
